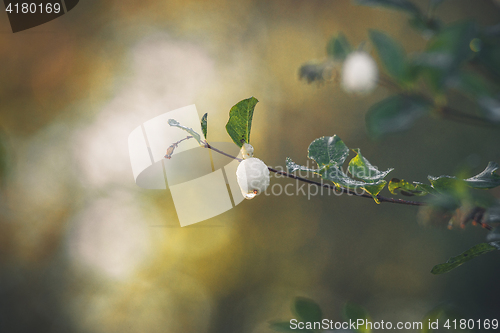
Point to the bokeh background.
(83, 249)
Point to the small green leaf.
(487, 179)
(354, 312)
(307, 310)
(240, 121)
(391, 54)
(204, 124)
(334, 174)
(361, 168)
(292, 167)
(470, 254)
(424, 188)
(403, 5)
(338, 47)
(395, 114)
(173, 122)
(405, 188)
(327, 150)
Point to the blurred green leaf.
(361, 168)
(391, 54)
(490, 107)
(354, 312)
(173, 122)
(487, 179)
(470, 254)
(492, 215)
(474, 85)
(285, 327)
(428, 27)
(454, 41)
(395, 114)
(489, 56)
(327, 150)
(403, 5)
(307, 310)
(204, 124)
(240, 121)
(3, 159)
(493, 235)
(338, 47)
(436, 3)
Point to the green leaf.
(285, 327)
(292, 167)
(361, 168)
(425, 188)
(403, 5)
(470, 254)
(391, 54)
(4, 160)
(474, 85)
(489, 57)
(334, 174)
(454, 41)
(307, 310)
(338, 47)
(173, 122)
(354, 312)
(327, 150)
(204, 124)
(395, 114)
(240, 121)
(405, 188)
(487, 179)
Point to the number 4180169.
(33, 8)
(471, 324)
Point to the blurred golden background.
(83, 249)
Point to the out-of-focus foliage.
(459, 56)
(470, 254)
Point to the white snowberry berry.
(359, 73)
(252, 174)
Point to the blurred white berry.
(253, 177)
(247, 150)
(359, 72)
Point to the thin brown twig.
(329, 186)
(476, 215)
